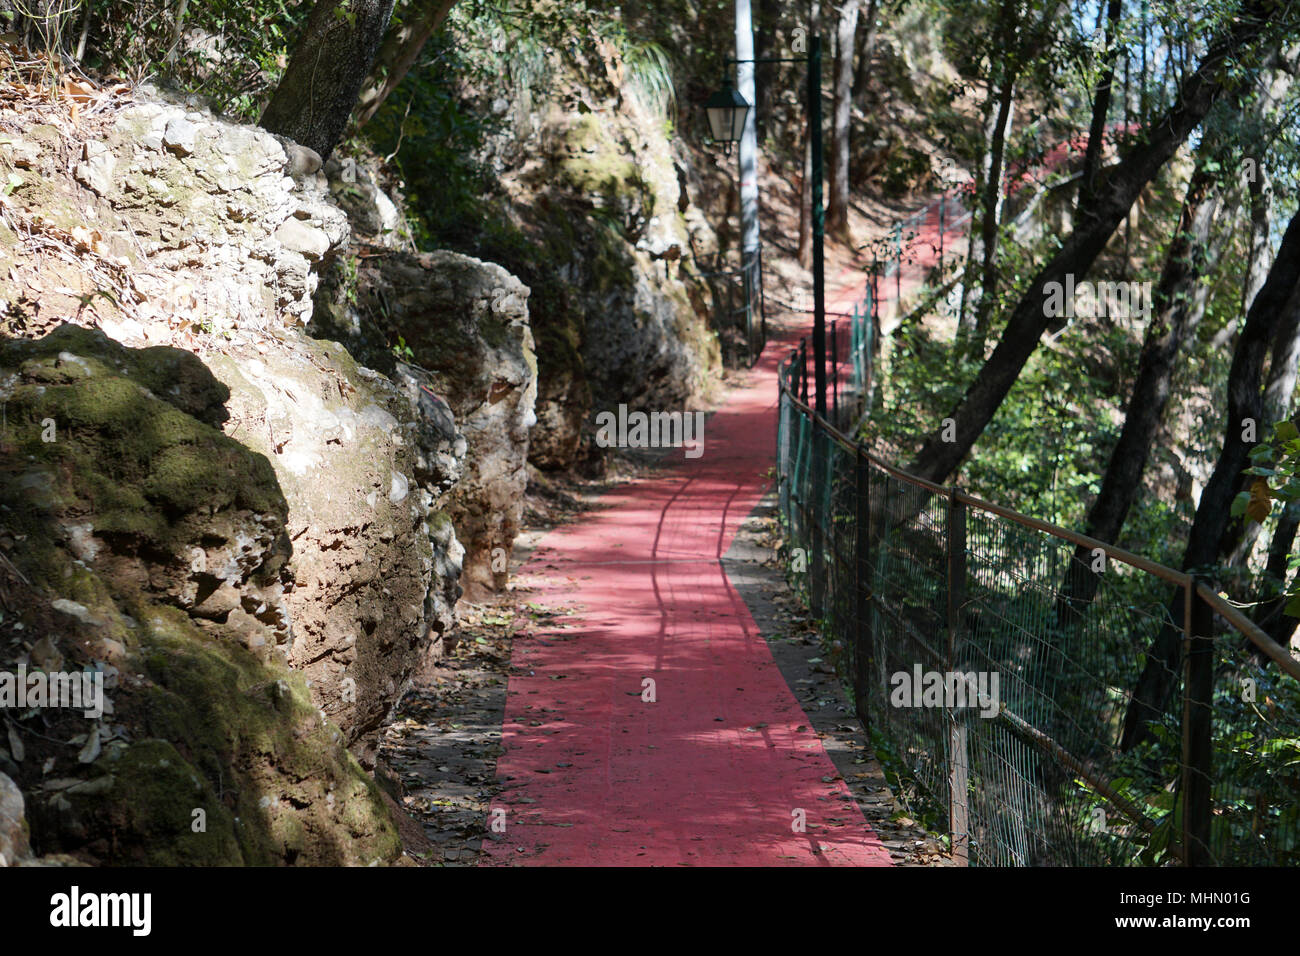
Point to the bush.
(229, 51)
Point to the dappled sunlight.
(722, 767)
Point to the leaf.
(1261, 501)
(78, 92)
(91, 750)
(16, 746)
(1239, 504)
(1286, 431)
(1292, 608)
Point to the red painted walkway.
(722, 766)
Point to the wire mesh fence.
(738, 307)
(931, 240)
(1053, 699)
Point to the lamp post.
(728, 114)
(818, 219)
(727, 111)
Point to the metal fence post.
(898, 272)
(1198, 692)
(869, 351)
(816, 566)
(855, 349)
(875, 286)
(958, 775)
(835, 373)
(941, 237)
(803, 372)
(864, 651)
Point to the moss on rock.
(122, 526)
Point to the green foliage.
(905, 168)
(1256, 769)
(651, 76)
(1274, 475)
(441, 139)
(1044, 451)
(229, 51)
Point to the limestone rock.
(597, 197)
(13, 823)
(96, 172)
(297, 236)
(152, 509)
(196, 181)
(179, 136)
(303, 161)
(373, 581)
(466, 322)
(20, 152)
(247, 522)
(370, 210)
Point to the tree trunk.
(178, 30)
(805, 188)
(1275, 83)
(1261, 226)
(1101, 106)
(1178, 305)
(974, 254)
(994, 196)
(805, 202)
(837, 209)
(1096, 222)
(329, 63)
(1279, 386)
(765, 74)
(398, 54)
(1259, 256)
(1272, 308)
(866, 50)
(1259, 184)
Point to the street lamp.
(727, 110)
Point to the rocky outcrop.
(248, 522)
(14, 845)
(149, 547)
(375, 562)
(588, 210)
(629, 324)
(644, 343)
(464, 325)
(375, 217)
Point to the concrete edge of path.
(751, 568)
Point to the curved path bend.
(724, 764)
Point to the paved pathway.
(722, 768)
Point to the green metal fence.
(917, 583)
(739, 313)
